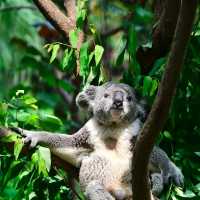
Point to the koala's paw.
(157, 183)
(175, 176)
(96, 191)
(29, 137)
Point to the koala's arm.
(169, 170)
(55, 140)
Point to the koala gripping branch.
(161, 106)
(56, 161)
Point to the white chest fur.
(121, 154)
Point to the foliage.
(31, 78)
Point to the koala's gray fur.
(102, 148)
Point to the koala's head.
(110, 103)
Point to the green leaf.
(103, 77)
(49, 122)
(19, 92)
(197, 186)
(132, 40)
(153, 87)
(81, 12)
(35, 157)
(54, 52)
(28, 99)
(39, 162)
(159, 63)
(186, 194)
(81, 15)
(98, 53)
(46, 156)
(73, 38)
(13, 170)
(84, 61)
(66, 59)
(10, 137)
(91, 56)
(147, 83)
(120, 58)
(28, 118)
(3, 108)
(18, 147)
(24, 178)
(136, 67)
(197, 153)
(91, 76)
(143, 14)
(167, 134)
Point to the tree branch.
(70, 6)
(55, 16)
(161, 106)
(162, 34)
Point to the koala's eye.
(129, 98)
(106, 95)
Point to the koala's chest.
(115, 148)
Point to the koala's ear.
(143, 110)
(84, 98)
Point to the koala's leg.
(169, 170)
(96, 191)
(157, 183)
(54, 140)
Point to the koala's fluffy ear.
(142, 110)
(84, 99)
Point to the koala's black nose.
(118, 103)
(118, 99)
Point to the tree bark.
(161, 106)
(167, 14)
(55, 16)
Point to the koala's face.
(110, 103)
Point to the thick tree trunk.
(161, 106)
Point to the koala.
(102, 148)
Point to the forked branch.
(63, 23)
(55, 16)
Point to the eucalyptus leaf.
(18, 147)
(73, 37)
(98, 53)
(46, 156)
(54, 52)
(147, 84)
(132, 40)
(84, 61)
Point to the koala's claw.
(28, 137)
(30, 140)
(178, 180)
(175, 176)
(16, 129)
